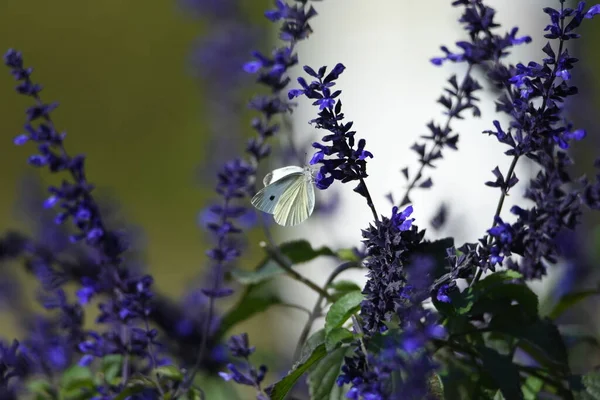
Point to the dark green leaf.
(313, 341)
(540, 339)
(569, 300)
(296, 252)
(465, 302)
(343, 309)
(254, 300)
(322, 377)
(170, 372)
(497, 297)
(135, 384)
(43, 389)
(532, 387)
(336, 337)
(279, 390)
(347, 255)
(300, 251)
(77, 381)
(193, 394)
(591, 382)
(503, 372)
(498, 396)
(111, 367)
(458, 380)
(342, 287)
(266, 271)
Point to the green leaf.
(569, 300)
(111, 367)
(591, 382)
(343, 309)
(77, 382)
(458, 380)
(347, 255)
(487, 292)
(342, 287)
(300, 251)
(296, 252)
(43, 389)
(313, 341)
(498, 396)
(322, 377)
(279, 390)
(532, 387)
(336, 337)
(75, 374)
(135, 384)
(170, 372)
(503, 372)
(540, 339)
(254, 300)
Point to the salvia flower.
(538, 130)
(272, 72)
(239, 347)
(236, 180)
(339, 160)
(403, 356)
(483, 49)
(128, 302)
(217, 59)
(237, 177)
(389, 244)
(74, 198)
(14, 364)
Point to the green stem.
(317, 309)
(284, 264)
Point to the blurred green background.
(128, 100)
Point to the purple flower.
(389, 245)
(250, 376)
(484, 48)
(405, 354)
(236, 178)
(75, 197)
(539, 133)
(15, 364)
(340, 160)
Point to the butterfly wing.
(279, 173)
(268, 197)
(310, 189)
(296, 203)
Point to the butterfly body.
(288, 194)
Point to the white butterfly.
(288, 194)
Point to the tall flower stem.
(504, 193)
(548, 89)
(284, 264)
(425, 161)
(369, 200)
(273, 251)
(318, 308)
